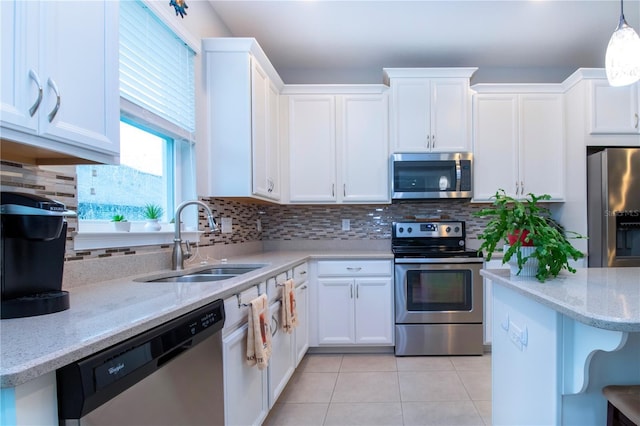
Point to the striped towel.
(259, 336)
(289, 314)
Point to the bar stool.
(623, 405)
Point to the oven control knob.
(400, 230)
(409, 229)
(456, 229)
(448, 229)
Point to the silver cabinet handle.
(303, 272)
(428, 141)
(521, 188)
(333, 189)
(275, 329)
(55, 109)
(354, 269)
(36, 104)
(357, 291)
(344, 189)
(304, 287)
(636, 115)
(351, 290)
(517, 187)
(433, 141)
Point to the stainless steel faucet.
(178, 256)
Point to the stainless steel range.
(438, 290)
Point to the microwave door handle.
(458, 175)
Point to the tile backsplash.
(251, 222)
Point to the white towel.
(259, 336)
(289, 313)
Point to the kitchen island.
(557, 343)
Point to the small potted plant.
(120, 223)
(537, 244)
(152, 213)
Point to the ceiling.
(332, 41)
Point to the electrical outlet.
(346, 224)
(227, 225)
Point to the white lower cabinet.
(245, 387)
(282, 362)
(301, 333)
(356, 308)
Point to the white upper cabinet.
(243, 92)
(338, 144)
(614, 110)
(518, 142)
(59, 99)
(430, 109)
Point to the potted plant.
(152, 213)
(120, 223)
(538, 243)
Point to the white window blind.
(156, 67)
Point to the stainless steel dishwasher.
(169, 375)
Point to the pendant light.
(622, 60)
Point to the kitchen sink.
(217, 273)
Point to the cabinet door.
(336, 311)
(450, 100)
(495, 152)
(79, 69)
(282, 362)
(259, 129)
(374, 311)
(312, 152)
(273, 142)
(20, 72)
(302, 330)
(410, 115)
(541, 145)
(614, 110)
(363, 138)
(245, 387)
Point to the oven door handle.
(414, 260)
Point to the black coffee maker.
(34, 232)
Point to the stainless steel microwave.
(420, 176)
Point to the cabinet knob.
(433, 141)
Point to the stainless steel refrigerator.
(613, 202)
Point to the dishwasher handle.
(86, 384)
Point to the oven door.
(442, 291)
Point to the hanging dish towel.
(289, 314)
(259, 336)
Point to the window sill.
(101, 235)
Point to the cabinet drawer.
(301, 273)
(236, 314)
(354, 267)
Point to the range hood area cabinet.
(430, 109)
(519, 142)
(243, 91)
(337, 143)
(59, 100)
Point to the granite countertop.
(107, 313)
(607, 298)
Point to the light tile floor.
(384, 390)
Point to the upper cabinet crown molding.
(335, 89)
(247, 45)
(518, 88)
(462, 72)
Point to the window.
(157, 107)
